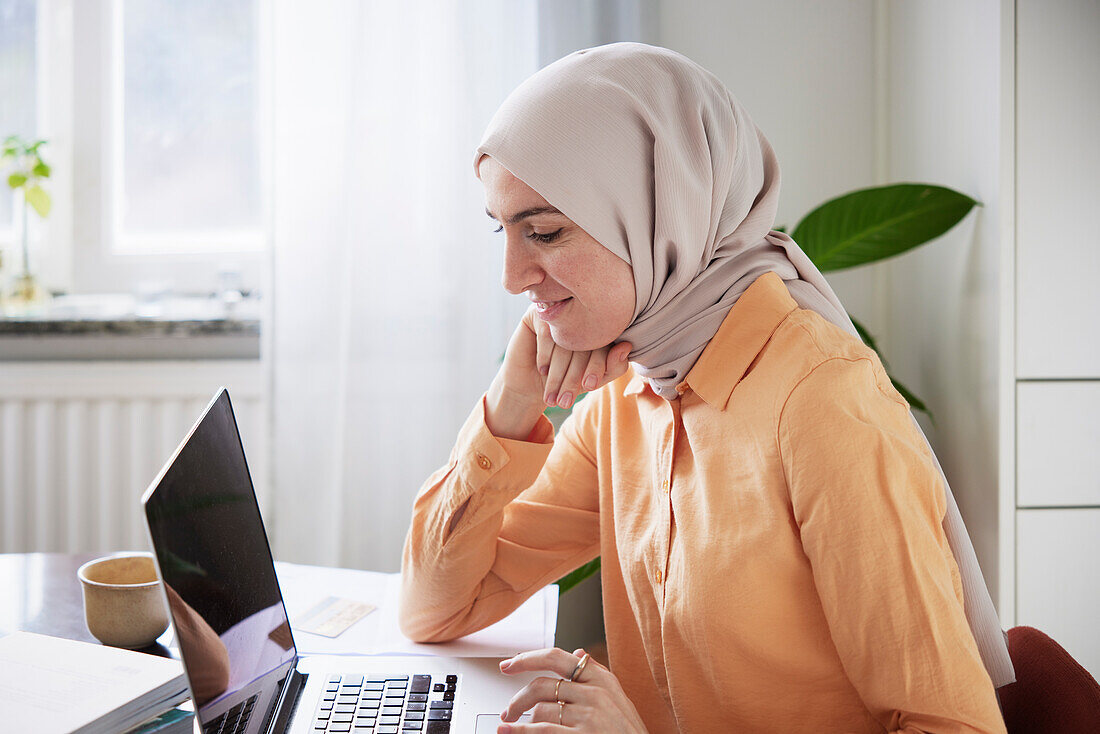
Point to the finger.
(545, 690)
(616, 362)
(559, 364)
(594, 370)
(552, 659)
(544, 348)
(571, 383)
(541, 727)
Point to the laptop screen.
(216, 565)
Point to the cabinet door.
(1057, 188)
(1057, 442)
(1057, 572)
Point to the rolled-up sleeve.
(869, 505)
(532, 514)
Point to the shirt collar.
(747, 327)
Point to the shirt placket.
(663, 539)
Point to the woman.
(768, 513)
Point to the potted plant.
(858, 228)
(28, 173)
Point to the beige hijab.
(652, 156)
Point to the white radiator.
(81, 441)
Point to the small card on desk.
(332, 616)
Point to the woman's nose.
(521, 271)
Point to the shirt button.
(483, 462)
(657, 576)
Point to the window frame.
(85, 252)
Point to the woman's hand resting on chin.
(537, 373)
(593, 702)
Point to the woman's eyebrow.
(533, 211)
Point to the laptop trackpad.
(488, 723)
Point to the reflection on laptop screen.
(214, 558)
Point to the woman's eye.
(547, 237)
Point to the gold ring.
(557, 688)
(561, 711)
(580, 667)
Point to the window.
(157, 117)
(187, 128)
(18, 69)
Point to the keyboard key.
(438, 727)
(438, 688)
(384, 720)
(391, 710)
(414, 715)
(397, 677)
(356, 680)
(344, 708)
(369, 704)
(442, 704)
(374, 685)
(323, 715)
(412, 726)
(329, 696)
(416, 706)
(339, 727)
(452, 678)
(451, 687)
(342, 718)
(449, 695)
(439, 715)
(388, 729)
(418, 696)
(327, 705)
(334, 678)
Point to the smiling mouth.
(548, 310)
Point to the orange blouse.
(772, 542)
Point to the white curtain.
(388, 318)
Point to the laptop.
(234, 637)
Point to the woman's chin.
(576, 341)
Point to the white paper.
(304, 586)
(530, 627)
(49, 684)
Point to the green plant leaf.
(39, 200)
(872, 224)
(867, 339)
(569, 580)
(914, 402)
(16, 180)
(40, 169)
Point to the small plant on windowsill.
(26, 177)
(858, 228)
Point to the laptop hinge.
(291, 694)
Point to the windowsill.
(116, 327)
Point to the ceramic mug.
(123, 605)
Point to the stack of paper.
(48, 684)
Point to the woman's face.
(583, 291)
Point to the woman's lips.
(550, 310)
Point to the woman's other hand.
(537, 373)
(593, 702)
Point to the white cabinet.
(1054, 496)
(1057, 188)
(1057, 573)
(1058, 444)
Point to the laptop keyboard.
(391, 704)
(233, 721)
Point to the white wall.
(944, 127)
(805, 72)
